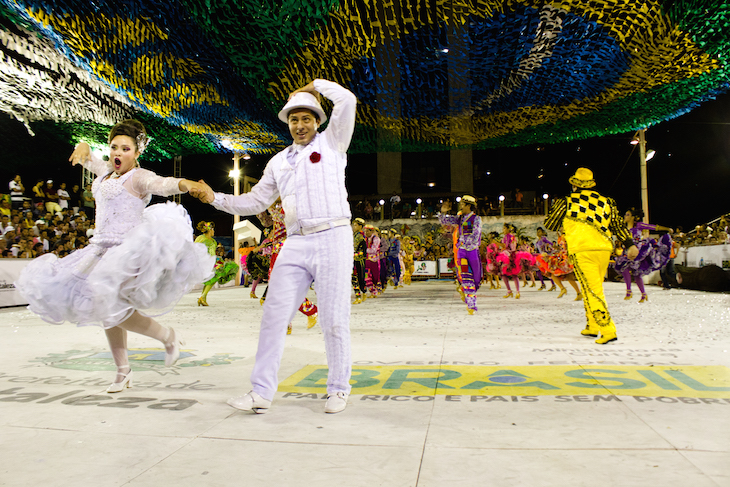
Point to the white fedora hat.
(302, 100)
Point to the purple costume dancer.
(543, 246)
(653, 255)
(470, 237)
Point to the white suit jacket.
(312, 193)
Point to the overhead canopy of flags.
(210, 75)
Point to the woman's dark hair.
(638, 214)
(131, 128)
(204, 226)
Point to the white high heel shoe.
(172, 354)
(119, 386)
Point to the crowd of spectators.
(713, 233)
(395, 206)
(48, 218)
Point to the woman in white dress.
(140, 261)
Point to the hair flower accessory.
(315, 157)
(143, 140)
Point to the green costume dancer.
(224, 270)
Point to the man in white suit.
(309, 176)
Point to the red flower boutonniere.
(315, 157)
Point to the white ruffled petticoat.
(156, 263)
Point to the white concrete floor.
(523, 399)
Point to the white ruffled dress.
(140, 258)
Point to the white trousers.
(327, 258)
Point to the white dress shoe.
(250, 402)
(172, 350)
(336, 402)
(119, 386)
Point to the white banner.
(444, 270)
(9, 272)
(425, 268)
(705, 255)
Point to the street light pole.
(644, 179)
(236, 218)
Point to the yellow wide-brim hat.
(467, 198)
(302, 100)
(583, 178)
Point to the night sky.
(689, 177)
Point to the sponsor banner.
(444, 270)
(9, 272)
(555, 380)
(425, 268)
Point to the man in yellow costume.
(589, 220)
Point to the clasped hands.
(201, 190)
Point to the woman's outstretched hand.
(81, 154)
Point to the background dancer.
(394, 273)
(543, 246)
(470, 236)
(258, 266)
(408, 258)
(271, 247)
(510, 260)
(653, 255)
(493, 249)
(590, 220)
(372, 261)
(358, 271)
(319, 246)
(224, 270)
(383, 256)
(138, 264)
(528, 264)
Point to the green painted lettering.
(625, 383)
(398, 377)
(694, 384)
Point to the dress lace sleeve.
(144, 182)
(97, 166)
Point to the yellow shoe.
(253, 295)
(644, 298)
(508, 295)
(533, 284)
(578, 297)
(261, 301)
(563, 292)
(628, 296)
(461, 293)
(553, 288)
(470, 311)
(607, 339)
(311, 321)
(587, 332)
(288, 329)
(202, 301)
(517, 296)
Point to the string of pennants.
(210, 76)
